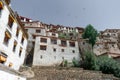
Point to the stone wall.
(51, 73)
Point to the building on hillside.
(32, 28)
(107, 43)
(52, 51)
(13, 42)
(53, 43)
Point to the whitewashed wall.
(51, 58)
(13, 57)
(9, 76)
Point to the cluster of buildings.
(52, 44)
(108, 44)
(49, 44)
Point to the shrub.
(89, 61)
(103, 63)
(65, 63)
(75, 63)
(109, 66)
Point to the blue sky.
(101, 14)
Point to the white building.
(51, 51)
(13, 40)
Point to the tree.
(91, 34)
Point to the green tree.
(91, 34)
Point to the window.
(62, 50)
(53, 34)
(10, 64)
(41, 56)
(33, 36)
(10, 22)
(1, 6)
(63, 43)
(22, 41)
(72, 44)
(71, 34)
(7, 37)
(20, 52)
(53, 41)
(83, 43)
(44, 40)
(63, 58)
(38, 31)
(3, 57)
(43, 47)
(26, 30)
(113, 45)
(17, 32)
(73, 51)
(14, 46)
(54, 49)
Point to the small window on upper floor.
(73, 51)
(26, 30)
(20, 52)
(53, 34)
(33, 36)
(54, 49)
(43, 40)
(22, 41)
(43, 47)
(63, 58)
(53, 41)
(10, 21)
(17, 32)
(38, 31)
(83, 43)
(14, 46)
(113, 45)
(62, 50)
(63, 43)
(7, 37)
(72, 44)
(98, 45)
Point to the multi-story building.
(13, 42)
(51, 51)
(52, 43)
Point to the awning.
(7, 34)
(1, 5)
(2, 58)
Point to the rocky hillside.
(51, 73)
